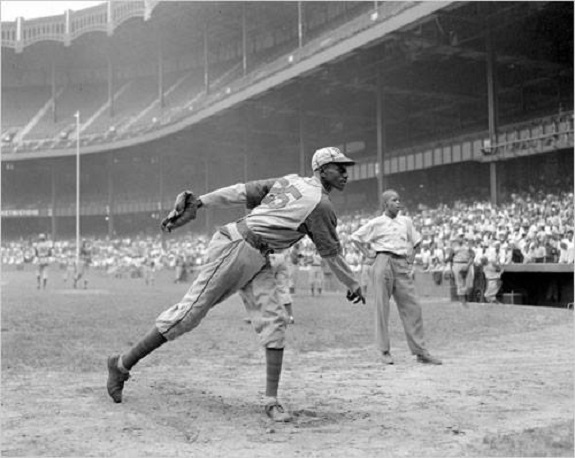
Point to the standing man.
(390, 240)
(43, 255)
(492, 271)
(149, 268)
(83, 264)
(284, 210)
(316, 276)
(180, 267)
(462, 260)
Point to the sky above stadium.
(11, 9)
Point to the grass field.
(505, 389)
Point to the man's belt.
(392, 254)
(252, 238)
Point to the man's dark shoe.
(277, 413)
(386, 358)
(426, 358)
(116, 379)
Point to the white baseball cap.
(327, 156)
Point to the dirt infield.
(505, 389)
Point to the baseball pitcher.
(283, 211)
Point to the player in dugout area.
(283, 211)
(316, 275)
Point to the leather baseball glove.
(185, 210)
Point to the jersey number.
(279, 195)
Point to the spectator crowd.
(530, 228)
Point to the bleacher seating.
(86, 98)
(136, 108)
(19, 106)
(151, 113)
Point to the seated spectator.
(551, 249)
(536, 252)
(425, 255)
(566, 249)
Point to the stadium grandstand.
(443, 101)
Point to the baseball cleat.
(116, 379)
(276, 412)
(426, 358)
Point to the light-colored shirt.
(396, 235)
(492, 271)
(462, 254)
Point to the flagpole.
(77, 116)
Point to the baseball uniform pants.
(42, 271)
(316, 277)
(464, 277)
(282, 276)
(233, 266)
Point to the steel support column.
(301, 115)
(246, 135)
(161, 181)
(111, 199)
(244, 40)
(53, 84)
(380, 129)
(160, 72)
(206, 61)
(53, 173)
(206, 190)
(110, 84)
(300, 24)
(492, 112)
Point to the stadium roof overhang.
(248, 88)
(444, 40)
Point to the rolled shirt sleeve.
(225, 197)
(362, 239)
(364, 234)
(249, 194)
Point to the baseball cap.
(327, 156)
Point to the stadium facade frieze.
(64, 28)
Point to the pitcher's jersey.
(288, 208)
